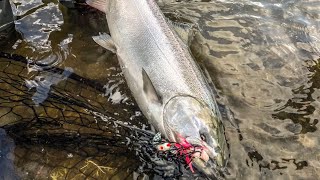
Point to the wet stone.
(294, 128)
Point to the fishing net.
(69, 102)
(66, 119)
(64, 127)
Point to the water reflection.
(36, 27)
(301, 108)
(25, 6)
(44, 82)
(262, 56)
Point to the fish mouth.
(204, 160)
(209, 168)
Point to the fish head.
(194, 124)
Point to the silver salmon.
(165, 81)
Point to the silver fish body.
(165, 80)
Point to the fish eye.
(203, 137)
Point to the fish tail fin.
(101, 5)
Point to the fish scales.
(151, 44)
(164, 79)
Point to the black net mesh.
(75, 132)
(71, 102)
(66, 122)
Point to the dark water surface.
(61, 98)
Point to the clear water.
(58, 109)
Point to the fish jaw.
(208, 168)
(204, 159)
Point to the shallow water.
(60, 104)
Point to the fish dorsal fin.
(184, 30)
(149, 89)
(101, 5)
(105, 41)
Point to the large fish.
(165, 80)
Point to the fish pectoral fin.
(149, 89)
(184, 30)
(105, 41)
(101, 5)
